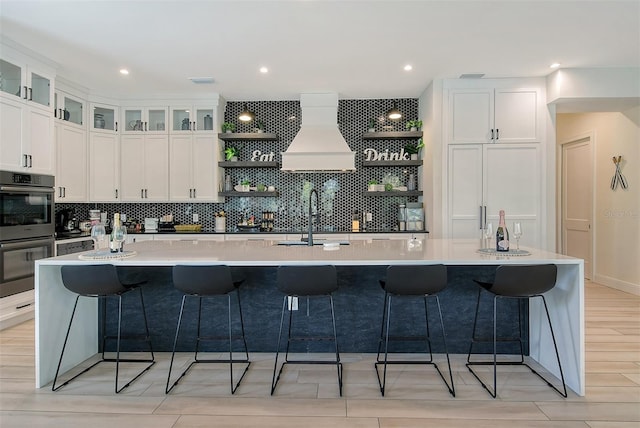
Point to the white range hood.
(319, 146)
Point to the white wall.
(617, 213)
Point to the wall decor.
(618, 178)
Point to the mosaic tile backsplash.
(340, 194)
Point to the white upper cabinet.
(71, 165)
(26, 81)
(144, 119)
(104, 167)
(198, 118)
(144, 163)
(194, 173)
(104, 118)
(494, 115)
(69, 109)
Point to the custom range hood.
(319, 146)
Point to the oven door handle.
(24, 189)
(26, 244)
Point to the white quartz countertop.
(361, 252)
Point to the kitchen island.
(566, 300)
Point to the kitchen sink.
(315, 242)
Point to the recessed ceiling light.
(408, 67)
(124, 71)
(264, 70)
(555, 65)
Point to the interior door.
(577, 202)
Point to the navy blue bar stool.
(102, 282)
(515, 282)
(306, 281)
(209, 282)
(410, 282)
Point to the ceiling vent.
(472, 76)
(201, 80)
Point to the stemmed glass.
(120, 235)
(488, 233)
(98, 234)
(517, 233)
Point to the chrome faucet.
(310, 232)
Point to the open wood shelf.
(391, 135)
(395, 193)
(248, 164)
(247, 136)
(393, 163)
(249, 194)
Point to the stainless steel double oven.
(26, 228)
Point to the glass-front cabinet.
(24, 82)
(144, 119)
(192, 118)
(104, 118)
(68, 108)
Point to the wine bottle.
(502, 234)
(113, 244)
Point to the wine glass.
(488, 233)
(98, 234)
(120, 235)
(517, 233)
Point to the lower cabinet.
(486, 178)
(16, 308)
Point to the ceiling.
(357, 48)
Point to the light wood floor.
(307, 396)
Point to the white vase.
(414, 129)
(234, 159)
(372, 187)
(414, 156)
(221, 224)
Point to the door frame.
(590, 138)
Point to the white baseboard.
(627, 287)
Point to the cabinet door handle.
(59, 191)
(30, 94)
(116, 126)
(146, 196)
(25, 92)
(497, 134)
(30, 161)
(116, 193)
(141, 193)
(193, 126)
(146, 126)
(491, 134)
(481, 219)
(25, 161)
(194, 193)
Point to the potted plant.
(245, 185)
(231, 153)
(372, 125)
(259, 126)
(414, 150)
(228, 127)
(373, 185)
(414, 125)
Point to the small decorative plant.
(372, 125)
(373, 185)
(413, 150)
(231, 153)
(245, 185)
(228, 127)
(414, 125)
(260, 125)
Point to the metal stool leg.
(173, 354)
(335, 338)
(274, 379)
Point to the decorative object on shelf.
(411, 182)
(259, 126)
(388, 187)
(261, 187)
(413, 150)
(393, 113)
(220, 222)
(246, 115)
(98, 121)
(372, 125)
(258, 156)
(208, 123)
(185, 124)
(414, 125)
(245, 185)
(228, 127)
(617, 176)
(227, 184)
(231, 153)
(373, 185)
